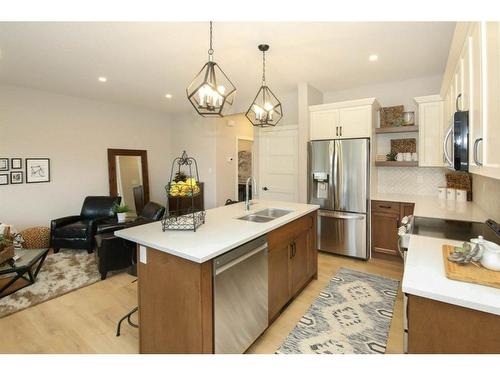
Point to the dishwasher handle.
(240, 259)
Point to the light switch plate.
(143, 258)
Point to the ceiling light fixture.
(102, 79)
(168, 96)
(373, 57)
(211, 91)
(265, 109)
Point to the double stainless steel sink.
(266, 215)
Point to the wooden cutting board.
(469, 272)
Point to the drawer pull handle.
(388, 207)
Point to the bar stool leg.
(135, 309)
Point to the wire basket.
(181, 212)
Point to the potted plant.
(121, 212)
(6, 246)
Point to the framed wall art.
(4, 164)
(16, 177)
(37, 170)
(16, 163)
(4, 179)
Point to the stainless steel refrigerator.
(339, 181)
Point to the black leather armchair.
(114, 253)
(77, 232)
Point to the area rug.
(61, 273)
(352, 315)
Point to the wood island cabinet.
(292, 261)
(385, 221)
(176, 295)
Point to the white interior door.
(278, 164)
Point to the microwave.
(457, 139)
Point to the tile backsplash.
(486, 193)
(419, 181)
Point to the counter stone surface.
(221, 232)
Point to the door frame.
(242, 138)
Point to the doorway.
(244, 165)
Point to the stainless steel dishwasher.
(240, 296)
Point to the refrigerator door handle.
(341, 215)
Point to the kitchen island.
(176, 271)
(446, 316)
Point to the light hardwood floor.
(84, 321)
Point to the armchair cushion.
(76, 229)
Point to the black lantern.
(211, 91)
(265, 109)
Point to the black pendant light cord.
(263, 67)
(211, 50)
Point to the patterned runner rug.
(60, 273)
(352, 315)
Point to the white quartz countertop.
(433, 207)
(221, 232)
(425, 276)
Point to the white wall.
(226, 147)
(390, 93)
(75, 134)
(197, 136)
(307, 95)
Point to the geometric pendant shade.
(266, 110)
(211, 92)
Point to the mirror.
(128, 178)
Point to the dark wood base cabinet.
(176, 295)
(385, 221)
(293, 261)
(440, 328)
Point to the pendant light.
(211, 91)
(265, 109)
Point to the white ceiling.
(144, 61)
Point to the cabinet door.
(279, 279)
(323, 124)
(430, 137)
(466, 77)
(355, 122)
(300, 252)
(491, 127)
(406, 210)
(475, 108)
(385, 233)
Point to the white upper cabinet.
(323, 124)
(430, 130)
(350, 119)
(355, 122)
(491, 105)
(475, 77)
(475, 108)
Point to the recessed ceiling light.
(102, 79)
(168, 96)
(373, 57)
